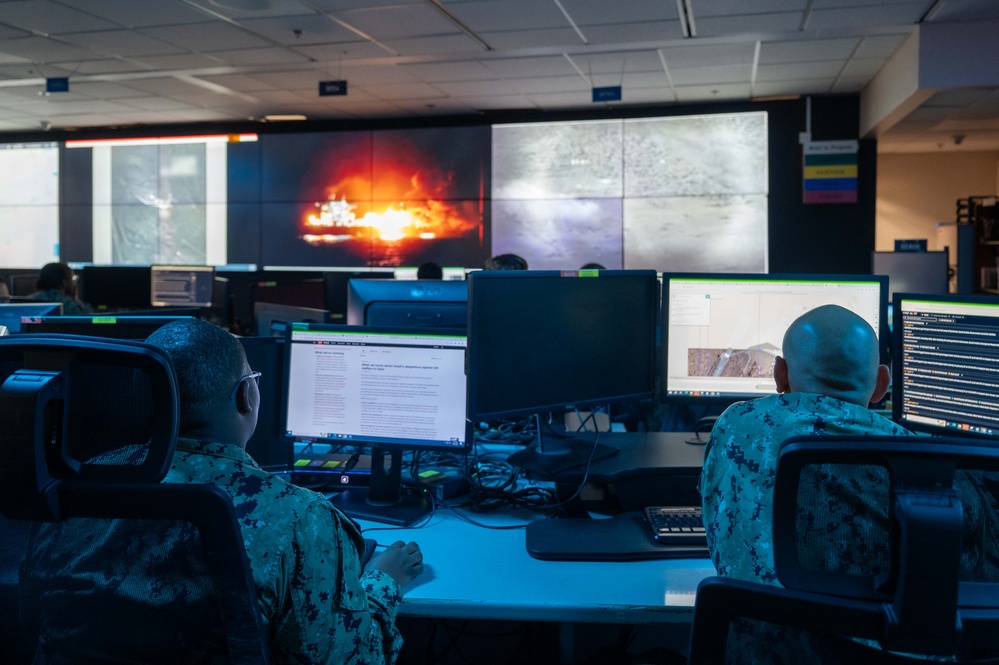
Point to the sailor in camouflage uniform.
(828, 375)
(316, 603)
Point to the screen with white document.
(379, 387)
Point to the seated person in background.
(827, 377)
(316, 604)
(55, 284)
(506, 262)
(593, 266)
(429, 270)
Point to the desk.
(479, 573)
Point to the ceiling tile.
(261, 56)
(601, 12)
(763, 24)
(807, 50)
(406, 91)
(40, 49)
(528, 39)
(876, 14)
(205, 37)
(483, 16)
(181, 61)
(476, 88)
(435, 45)
(797, 87)
(122, 42)
(711, 75)
(435, 72)
(708, 8)
(624, 33)
(862, 67)
(711, 93)
(708, 56)
(313, 29)
(137, 14)
(50, 18)
(802, 71)
(551, 85)
(399, 22)
(513, 68)
(879, 46)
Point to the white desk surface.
(478, 573)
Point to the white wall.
(915, 191)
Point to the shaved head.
(832, 351)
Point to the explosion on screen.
(420, 211)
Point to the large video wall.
(671, 193)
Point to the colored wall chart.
(830, 172)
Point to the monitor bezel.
(421, 294)
(896, 370)
(395, 445)
(31, 310)
(101, 323)
(942, 287)
(474, 278)
(883, 332)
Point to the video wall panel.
(669, 193)
(29, 204)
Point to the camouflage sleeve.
(334, 615)
(735, 487)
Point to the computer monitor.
(179, 286)
(945, 372)
(115, 287)
(104, 325)
(336, 289)
(23, 285)
(409, 303)
(12, 313)
(543, 341)
(272, 319)
(390, 389)
(913, 272)
(722, 332)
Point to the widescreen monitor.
(337, 282)
(722, 332)
(181, 286)
(272, 319)
(115, 287)
(545, 341)
(105, 325)
(11, 314)
(409, 303)
(913, 272)
(944, 374)
(390, 389)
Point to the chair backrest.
(891, 539)
(87, 431)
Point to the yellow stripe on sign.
(832, 171)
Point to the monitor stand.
(553, 456)
(384, 500)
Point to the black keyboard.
(676, 525)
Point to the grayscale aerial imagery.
(696, 234)
(560, 235)
(684, 193)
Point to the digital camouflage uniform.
(740, 465)
(842, 516)
(111, 583)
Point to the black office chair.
(87, 430)
(927, 583)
